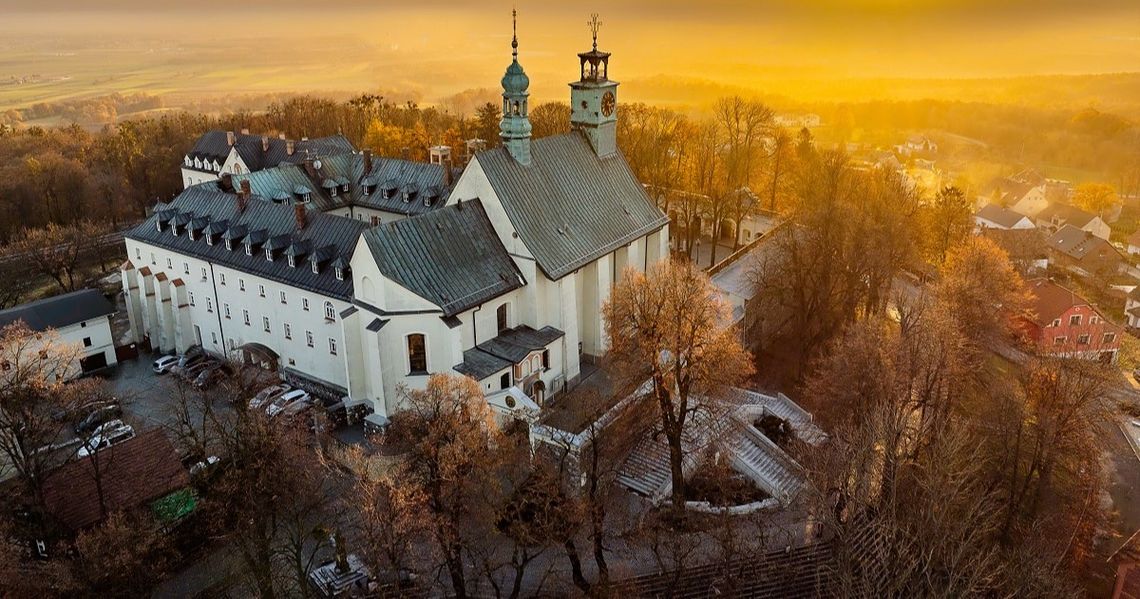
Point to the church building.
(329, 272)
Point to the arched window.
(417, 354)
(501, 318)
(330, 312)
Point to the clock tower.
(593, 98)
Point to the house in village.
(1132, 308)
(993, 216)
(81, 319)
(1084, 253)
(1133, 243)
(499, 273)
(1064, 324)
(1025, 247)
(1055, 216)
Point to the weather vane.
(594, 24)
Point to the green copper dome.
(515, 80)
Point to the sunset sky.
(447, 46)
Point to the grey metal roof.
(333, 235)
(514, 344)
(1078, 243)
(59, 311)
(399, 176)
(479, 364)
(1000, 215)
(569, 206)
(450, 257)
(214, 145)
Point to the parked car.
(187, 361)
(163, 364)
(191, 372)
(107, 434)
(267, 395)
(288, 401)
(99, 413)
(212, 374)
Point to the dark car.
(212, 374)
(191, 372)
(96, 414)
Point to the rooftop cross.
(514, 33)
(594, 24)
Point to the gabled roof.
(329, 237)
(1079, 244)
(1020, 244)
(392, 181)
(451, 257)
(515, 344)
(59, 311)
(569, 206)
(1049, 300)
(130, 474)
(1003, 217)
(1066, 214)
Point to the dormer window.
(248, 249)
(158, 224)
(344, 188)
(269, 254)
(340, 273)
(191, 234)
(292, 261)
(209, 240)
(229, 245)
(316, 268)
(174, 230)
(188, 162)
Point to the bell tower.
(514, 128)
(593, 98)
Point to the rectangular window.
(1093, 319)
(209, 305)
(86, 342)
(241, 284)
(1060, 340)
(375, 220)
(305, 304)
(185, 268)
(332, 346)
(152, 262)
(417, 354)
(309, 338)
(213, 337)
(1075, 320)
(1083, 339)
(203, 274)
(138, 253)
(283, 298)
(265, 323)
(1109, 338)
(288, 331)
(222, 279)
(191, 298)
(226, 309)
(546, 359)
(245, 317)
(261, 290)
(169, 263)
(1056, 322)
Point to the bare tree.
(670, 328)
(58, 251)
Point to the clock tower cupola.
(593, 98)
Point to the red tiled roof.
(1050, 300)
(132, 473)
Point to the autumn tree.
(985, 294)
(35, 398)
(549, 118)
(451, 442)
(669, 328)
(744, 125)
(1097, 198)
(948, 219)
(780, 162)
(125, 554)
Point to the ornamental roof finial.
(514, 34)
(594, 24)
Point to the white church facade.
(362, 276)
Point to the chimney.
(245, 131)
(231, 138)
(405, 152)
(367, 161)
(309, 168)
(281, 136)
(290, 147)
(244, 195)
(227, 182)
(264, 143)
(447, 178)
(300, 216)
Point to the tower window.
(501, 318)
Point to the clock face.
(608, 103)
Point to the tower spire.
(515, 33)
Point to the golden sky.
(446, 46)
